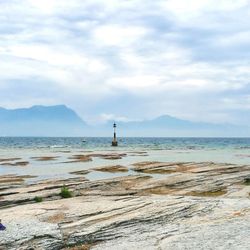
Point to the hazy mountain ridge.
(58, 112)
(40, 120)
(170, 126)
(60, 120)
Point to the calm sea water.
(223, 150)
(100, 143)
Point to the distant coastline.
(59, 120)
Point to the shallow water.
(223, 150)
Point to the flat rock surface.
(193, 206)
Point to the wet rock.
(45, 158)
(10, 181)
(18, 163)
(79, 158)
(247, 180)
(109, 156)
(63, 151)
(209, 193)
(138, 153)
(161, 167)
(10, 159)
(112, 169)
(80, 172)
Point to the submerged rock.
(79, 158)
(10, 159)
(112, 169)
(45, 158)
(109, 156)
(80, 172)
(18, 163)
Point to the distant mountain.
(41, 121)
(62, 121)
(168, 126)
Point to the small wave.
(59, 146)
(243, 147)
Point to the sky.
(128, 59)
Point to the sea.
(219, 150)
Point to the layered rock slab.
(150, 222)
(125, 212)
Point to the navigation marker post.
(114, 142)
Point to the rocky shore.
(162, 205)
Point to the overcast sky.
(128, 59)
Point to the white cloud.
(112, 117)
(116, 35)
(188, 9)
(134, 83)
(156, 56)
(46, 6)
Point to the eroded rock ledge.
(192, 206)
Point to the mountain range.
(39, 120)
(60, 120)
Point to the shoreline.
(207, 201)
(54, 163)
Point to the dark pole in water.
(114, 142)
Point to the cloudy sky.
(128, 59)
